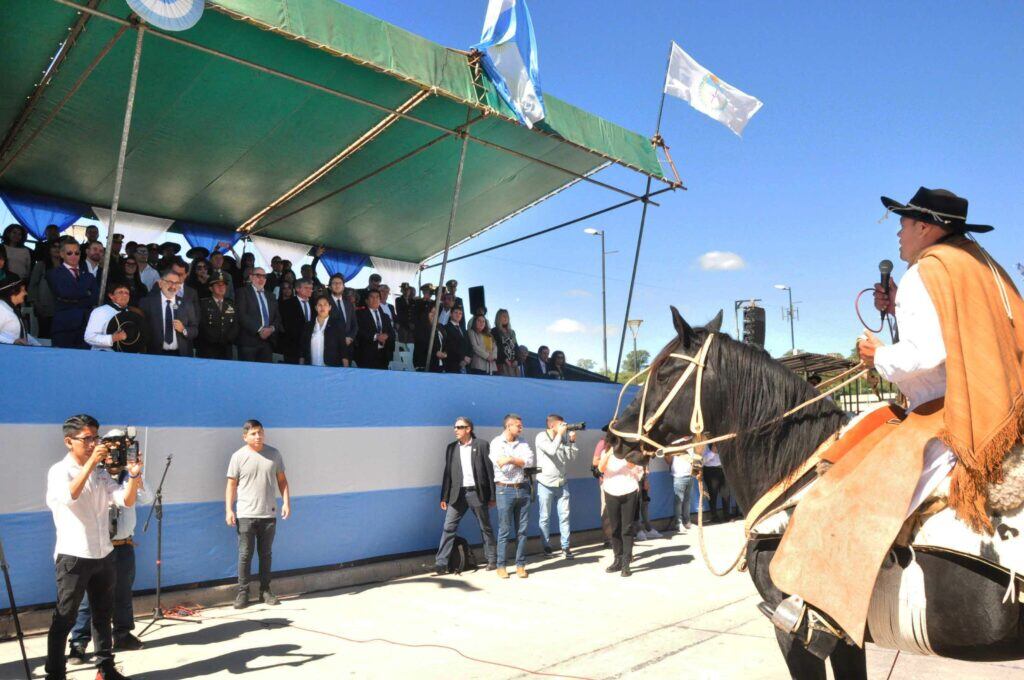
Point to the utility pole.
(604, 296)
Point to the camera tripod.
(158, 510)
(14, 610)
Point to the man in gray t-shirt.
(255, 474)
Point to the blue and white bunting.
(170, 15)
(510, 58)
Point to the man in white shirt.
(555, 448)
(96, 335)
(147, 272)
(509, 454)
(122, 528)
(467, 484)
(94, 258)
(79, 496)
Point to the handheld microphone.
(885, 269)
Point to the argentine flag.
(510, 58)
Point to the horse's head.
(662, 412)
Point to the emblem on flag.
(510, 58)
(170, 15)
(706, 92)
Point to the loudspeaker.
(753, 325)
(476, 300)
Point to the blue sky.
(860, 100)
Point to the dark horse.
(742, 389)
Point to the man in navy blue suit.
(75, 292)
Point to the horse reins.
(697, 364)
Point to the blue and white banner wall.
(364, 453)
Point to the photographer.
(556, 446)
(122, 528)
(510, 455)
(79, 497)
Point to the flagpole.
(643, 221)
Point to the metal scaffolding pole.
(119, 178)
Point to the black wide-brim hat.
(198, 253)
(171, 245)
(131, 324)
(936, 206)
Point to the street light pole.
(634, 328)
(604, 296)
(792, 333)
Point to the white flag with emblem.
(708, 93)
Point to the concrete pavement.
(672, 618)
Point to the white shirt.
(96, 330)
(316, 344)
(126, 517)
(83, 525)
(510, 473)
(711, 458)
(148, 275)
(91, 268)
(10, 326)
(682, 465)
(465, 455)
(173, 344)
(621, 478)
(443, 317)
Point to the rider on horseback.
(960, 363)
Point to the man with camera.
(122, 528)
(556, 446)
(511, 456)
(79, 495)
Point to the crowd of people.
(210, 305)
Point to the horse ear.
(715, 325)
(682, 328)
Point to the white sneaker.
(681, 528)
(640, 536)
(653, 533)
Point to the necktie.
(340, 304)
(376, 320)
(21, 321)
(74, 272)
(264, 314)
(168, 323)
(305, 309)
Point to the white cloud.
(578, 293)
(566, 327)
(720, 260)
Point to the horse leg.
(802, 664)
(849, 662)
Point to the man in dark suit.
(537, 367)
(218, 321)
(296, 312)
(258, 319)
(344, 311)
(75, 293)
(467, 483)
(376, 337)
(456, 344)
(171, 325)
(186, 294)
(450, 287)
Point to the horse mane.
(754, 390)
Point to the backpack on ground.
(462, 557)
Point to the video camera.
(123, 446)
(575, 427)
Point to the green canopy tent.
(302, 120)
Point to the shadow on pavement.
(447, 581)
(237, 663)
(215, 630)
(561, 563)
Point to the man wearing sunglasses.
(467, 483)
(258, 319)
(79, 495)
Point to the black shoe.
(626, 571)
(440, 569)
(242, 599)
(613, 567)
(128, 643)
(267, 597)
(567, 554)
(110, 673)
(78, 656)
(548, 551)
(492, 566)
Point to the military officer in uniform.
(218, 322)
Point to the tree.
(587, 364)
(633, 363)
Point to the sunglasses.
(462, 427)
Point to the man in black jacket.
(375, 336)
(258, 319)
(296, 312)
(456, 344)
(171, 325)
(467, 483)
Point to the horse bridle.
(697, 364)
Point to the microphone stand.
(14, 610)
(158, 510)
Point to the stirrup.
(807, 626)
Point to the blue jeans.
(545, 496)
(513, 510)
(123, 615)
(683, 488)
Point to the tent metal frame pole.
(561, 225)
(360, 100)
(447, 244)
(74, 31)
(119, 177)
(340, 157)
(640, 233)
